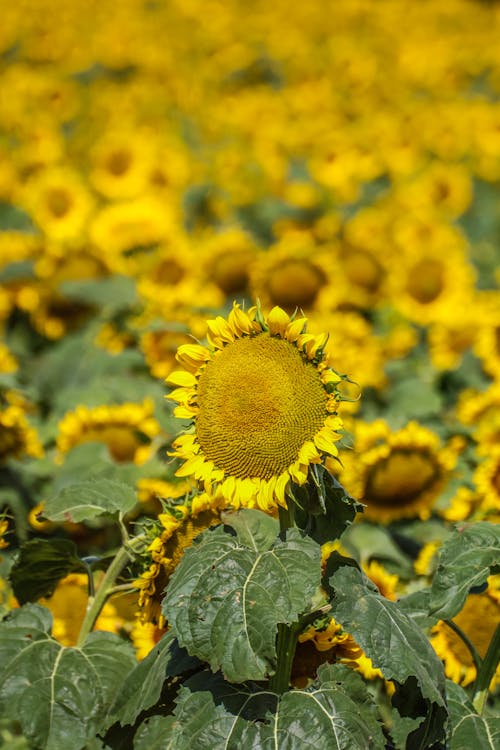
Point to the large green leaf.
(386, 634)
(85, 500)
(466, 560)
(325, 509)
(212, 714)
(40, 566)
(253, 528)
(397, 646)
(468, 729)
(156, 733)
(143, 686)
(59, 695)
(225, 599)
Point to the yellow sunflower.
(324, 641)
(145, 635)
(68, 605)
(4, 527)
(17, 437)
(478, 620)
(297, 273)
(487, 481)
(127, 429)
(263, 401)
(177, 528)
(481, 410)
(397, 474)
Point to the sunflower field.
(250, 375)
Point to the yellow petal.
(278, 320)
(241, 323)
(308, 453)
(182, 378)
(185, 412)
(192, 356)
(324, 440)
(295, 328)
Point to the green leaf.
(14, 219)
(387, 635)
(253, 528)
(225, 600)
(416, 606)
(60, 696)
(143, 686)
(113, 660)
(397, 646)
(326, 509)
(113, 293)
(466, 560)
(212, 714)
(85, 500)
(40, 566)
(157, 733)
(468, 729)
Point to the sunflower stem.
(286, 516)
(486, 672)
(285, 651)
(96, 602)
(473, 651)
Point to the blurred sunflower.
(145, 635)
(8, 363)
(481, 411)
(17, 437)
(68, 605)
(127, 429)
(58, 201)
(263, 402)
(486, 478)
(120, 163)
(296, 273)
(397, 474)
(429, 282)
(4, 527)
(173, 533)
(477, 620)
(227, 259)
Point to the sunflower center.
(477, 620)
(425, 282)
(58, 202)
(363, 270)
(119, 162)
(295, 283)
(259, 402)
(400, 478)
(230, 271)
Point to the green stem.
(286, 516)
(486, 672)
(285, 648)
(473, 651)
(96, 603)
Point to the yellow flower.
(4, 527)
(481, 410)
(227, 259)
(263, 401)
(427, 559)
(120, 164)
(58, 201)
(396, 474)
(145, 635)
(296, 273)
(68, 605)
(17, 437)
(478, 620)
(178, 527)
(127, 429)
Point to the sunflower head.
(263, 405)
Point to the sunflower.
(8, 363)
(263, 401)
(296, 273)
(145, 635)
(68, 605)
(477, 620)
(324, 641)
(174, 532)
(226, 259)
(58, 201)
(120, 164)
(17, 437)
(127, 429)
(397, 474)
(487, 481)
(481, 410)
(4, 527)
